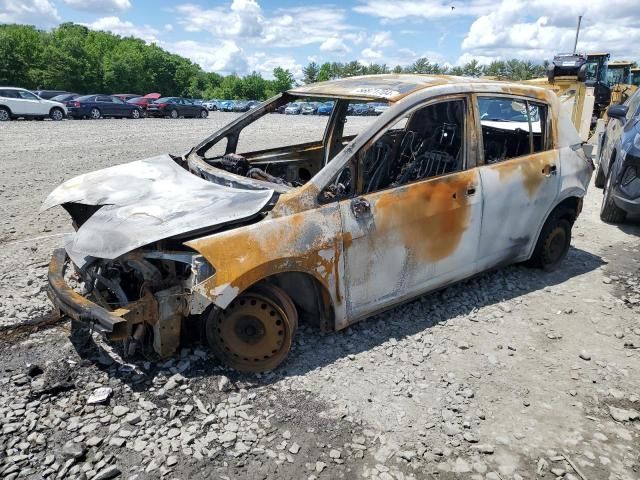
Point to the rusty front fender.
(309, 242)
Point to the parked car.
(325, 108)
(380, 109)
(245, 105)
(251, 241)
(65, 98)
(619, 162)
(309, 108)
(282, 108)
(293, 109)
(211, 105)
(360, 109)
(96, 106)
(142, 102)
(226, 105)
(125, 97)
(18, 102)
(175, 107)
(49, 94)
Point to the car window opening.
(511, 128)
(430, 144)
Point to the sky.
(241, 36)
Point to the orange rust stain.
(532, 169)
(244, 256)
(431, 216)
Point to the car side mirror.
(617, 111)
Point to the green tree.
(310, 73)
(283, 80)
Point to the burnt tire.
(255, 332)
(599, 180)
(609, 211)
(553, 243)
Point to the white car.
(211, 105)
(18, 102)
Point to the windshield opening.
(256, 149)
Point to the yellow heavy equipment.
(619, 80)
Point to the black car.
(175, 107)
(49, 94)
(65, 98)
(619, 166)
(245, 105)
(99, 106)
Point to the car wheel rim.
(4, 115)
(95, 114)
(57, 115)
(254, 333)
(135, 114)
(174, 114)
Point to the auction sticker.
(376, 92)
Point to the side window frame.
(548, 124)
(467, 143)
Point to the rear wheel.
(5, 114)
(95, 113)
(204, 114)
(609, 211)
(599, 180)
(255, 332)
(135, 114)
(553, 243)
(56, 114)
(173, 113)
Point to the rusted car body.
(457, 176)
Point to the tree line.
(74, 58)
(513, 69)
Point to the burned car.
(619, 162)
(458, 176)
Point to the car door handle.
(549, 170)
(360, 207)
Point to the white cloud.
(168, 27)
(226, 57)
(423, 9)
(244, 20)
(538, 29)
(125, 28)
(381, 40)
(100, 6)
(334, 45)
(35, 12)
(369, 55)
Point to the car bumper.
(156, 113)
(629, 205)
(76, 113)
(76, 306)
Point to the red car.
(125, 97)
(142, 102)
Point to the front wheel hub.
(254, 333)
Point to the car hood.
(146, 201)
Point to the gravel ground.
(515, 374)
